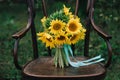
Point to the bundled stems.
(60, 58)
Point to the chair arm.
(107, 64)
(98, 29)
(15, 55)
(105, 36)
(23, 32)
(17, 36)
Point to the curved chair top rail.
(45, 10)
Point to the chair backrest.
(31, 11)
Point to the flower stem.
(60, 58)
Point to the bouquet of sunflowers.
(61, 29)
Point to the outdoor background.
(13, 17)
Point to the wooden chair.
(40, 68)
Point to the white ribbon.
(93, 60)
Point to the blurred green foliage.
(13, 17)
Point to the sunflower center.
(61, 38)
(73, 38)
(56, 26)
(49, 40)
(72, 27)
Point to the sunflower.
(43, 21)
(40, 34)
(83, 30)
(50, 42)
(66, 10)
(71, 15)
(73, 26)
(46, 38)
(82, 36)
(77, 18)
(43, 35)
(60, 39)
(56, 26)
(74, 38)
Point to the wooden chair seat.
(44, 68)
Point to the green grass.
(14, 17)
